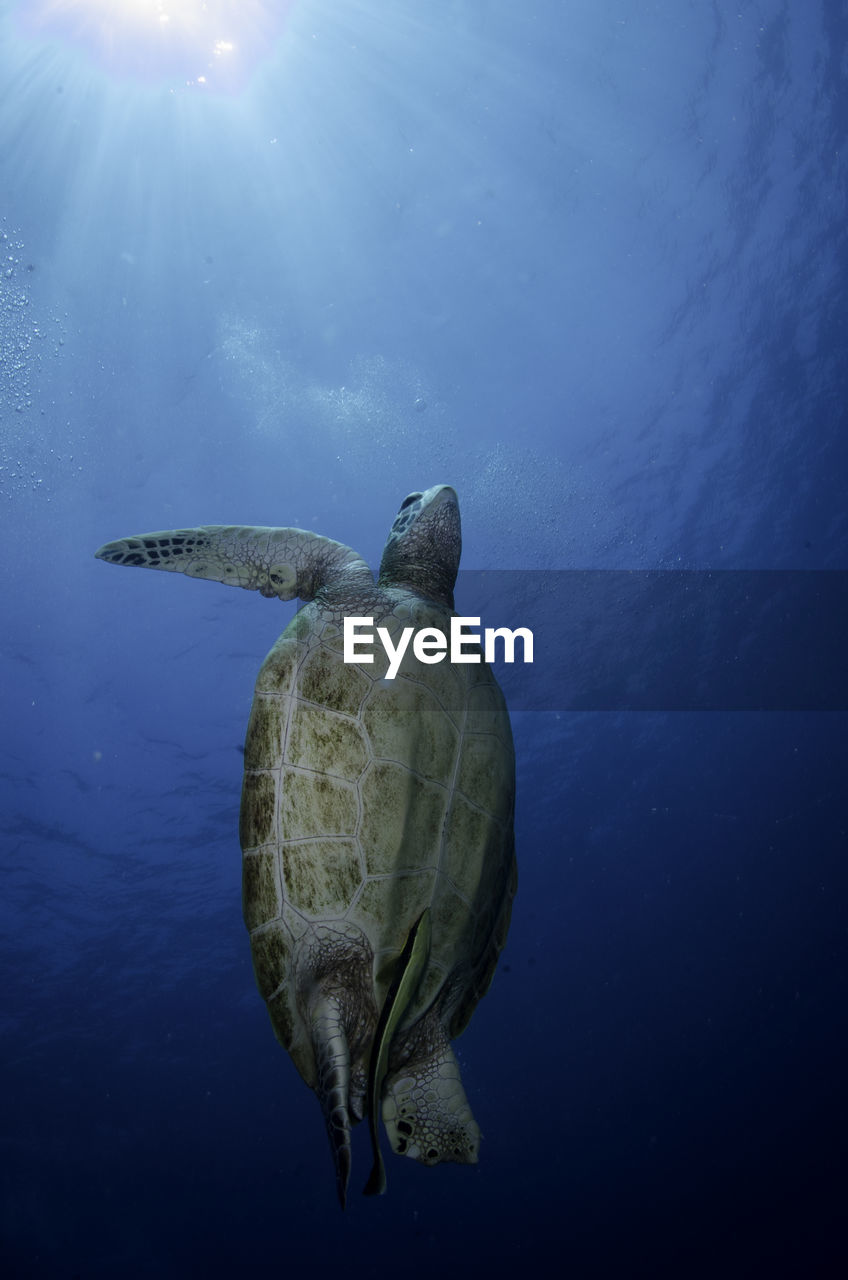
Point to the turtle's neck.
(422, 580)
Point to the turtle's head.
(423, 548)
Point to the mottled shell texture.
(366, 801)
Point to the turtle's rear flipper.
(426, 1112)
(332, 1058)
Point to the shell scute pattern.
(469, 829)
(261, 896)
(271, 947)
(433, 752)
(402, 819)
(451, 918)
(258, 810)
(485, 708)
(483, 773)
(276, 671)
(385, 905)
(315, 804)
(447, 685)
(323, 741)
(321, 877)
(322, 679)
(263, 743)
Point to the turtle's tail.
(332, 1057)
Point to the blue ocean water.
(586, 263)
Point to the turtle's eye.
(413, 497)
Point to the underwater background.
(269, 263)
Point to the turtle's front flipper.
(426, 1112)
(276, 562)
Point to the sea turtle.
(376, 823)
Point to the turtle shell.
(365, 801)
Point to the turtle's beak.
(439, 494)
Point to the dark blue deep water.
(587, 262)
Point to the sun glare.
(215, 43)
